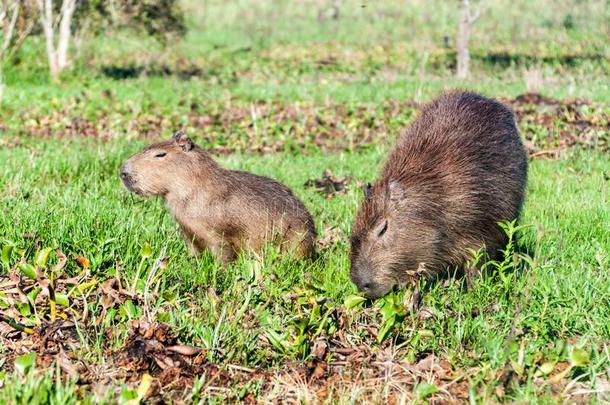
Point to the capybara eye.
(160, 154)
(382, 231)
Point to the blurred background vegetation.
(546, 45)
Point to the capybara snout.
(125, 175)
(159, 168)
(362, 274)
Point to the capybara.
(227, 211)
(457, 170)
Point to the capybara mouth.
(128, 182)
(129, 186)
(372, 290)
(375, 291)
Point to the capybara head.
(161, 166)
(391, 238)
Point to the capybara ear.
(367, 189)
(395, 190)
(183, 141)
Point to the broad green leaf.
(579, 357)
(3, 304)
(25, 362)
(387, 310)
(42, 257)
(62, 299)
(560, 347)
(547, 368)
(24, 308)
(353, 301)
(130, 309)
(109, 317)
(387, 326)
(424, 390)
(27, 270)
(33, 294)
(6, 255)
(127, 396)
(276, 339)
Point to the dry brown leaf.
(82, 262)
(185, 350)
(329, 184)
(319, 348)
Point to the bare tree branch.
(10, 28)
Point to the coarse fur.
(227, 211)
(457, 170)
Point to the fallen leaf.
(185, 350)
(319, 348)
(329, 184)
(82, 262)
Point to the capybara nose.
(125, 177)
(365, 286)
(361, 282)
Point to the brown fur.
(227, 211)
(458, 169)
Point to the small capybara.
(226, 211)
(457, 170)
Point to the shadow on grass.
(133, 71)
(506, 59)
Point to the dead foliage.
(549, 126)
(341, 363)
(331, 235)
(261, 127)
(45, 311)
(328, 184)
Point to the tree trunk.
(67, 10)
(45, 7)
(57, 55)
(7, 8)
(467, 18)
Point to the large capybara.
(457, 170)
(227, 211)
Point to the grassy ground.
(276, 91)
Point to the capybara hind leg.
(194, 245)
(224, 252)
(300, 245)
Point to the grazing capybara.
(227, 211)
(457, 170)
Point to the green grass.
(535, 329)
(70, 196)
